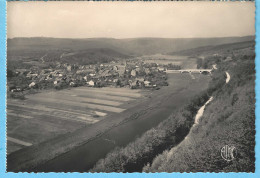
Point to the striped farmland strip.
(96, 95)
(20, 142)
(115, 93)
(50, 101)
(60, 115)
(39, 107)
(60, 96)
(108, 89)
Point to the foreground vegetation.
(228, 120)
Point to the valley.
(63, 106)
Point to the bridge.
(189, 70)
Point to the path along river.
(197, 119)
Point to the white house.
(147, 83)
(91, 83)
(133, 73)
(55, 82)
(32, 84)
(160, 68)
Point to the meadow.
(121, 113)
(45, 115)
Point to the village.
(130, 73)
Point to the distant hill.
(92, 56)
(215, 49)
(131, 46)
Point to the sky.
(130, 19)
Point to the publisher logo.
(228, 153)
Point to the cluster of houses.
(132, 74)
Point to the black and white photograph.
(130, 87)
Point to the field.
(104, 109)
(45, 115)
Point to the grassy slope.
(234, 126)
(228, 120)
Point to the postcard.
(127, 87)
